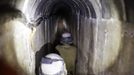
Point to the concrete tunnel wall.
(15, 47)
(96, 26)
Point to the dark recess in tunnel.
(129, 6)
(59, 11)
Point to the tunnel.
(74, 15)
(81, 18)
(102, 33)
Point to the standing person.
(64, 44)
(67, 51)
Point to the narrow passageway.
(90, 35)
(64, 16)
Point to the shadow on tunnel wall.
(9, 63)
(6, 69)
(45, 49)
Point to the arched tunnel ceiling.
(86, 8)
(34, 9)
(45, 7)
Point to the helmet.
(66, 38)
(53, 64)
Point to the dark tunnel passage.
(74, 14)
(68, 10)
(129, 10)
(97, 31)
